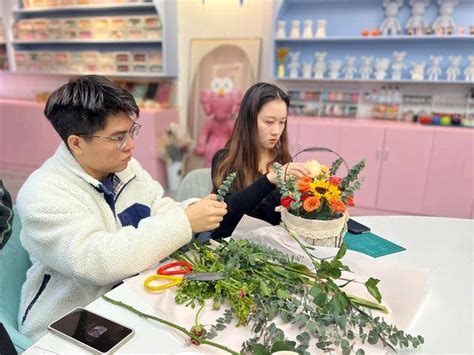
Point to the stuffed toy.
(469, 71)
(416, 24)
(444, 24)
(398, 65)
(434, 71)
(221, 104)
(390, 25)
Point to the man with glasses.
(91, 214)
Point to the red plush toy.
(221, 104)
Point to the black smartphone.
(91, 331)
(356, 227)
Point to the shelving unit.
(166, 45)
(85, 8)
(346, 20)
(344, 35)
(401, 38)
(387, 81)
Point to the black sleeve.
(242, 202)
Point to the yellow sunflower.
(319, 187)
(332, 193)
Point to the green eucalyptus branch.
(225, 186)
(170, 324)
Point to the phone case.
(86, 346)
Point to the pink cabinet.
(292, 129)
(406, 159)
(26, 136)
(410, 169)
(363, 142)
(27, 139)
(449, 187)
(318, 133)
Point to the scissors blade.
(205, 276)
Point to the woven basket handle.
(318, 149)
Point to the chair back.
(197, 183)
(14, 262)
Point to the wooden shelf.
(79, 8)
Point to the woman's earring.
(278, 144)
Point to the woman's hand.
(298, 170)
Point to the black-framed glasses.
(121, 139)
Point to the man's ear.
(75, 144)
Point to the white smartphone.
(91, 331)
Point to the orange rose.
(337, 206)
(334, 180)
(311, 203)
(303, 183)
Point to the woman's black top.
(257, 200)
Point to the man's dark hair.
(82, 106)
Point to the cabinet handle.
(386, 152)
(377, 154)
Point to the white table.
(444, 246)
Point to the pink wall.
(26, 86)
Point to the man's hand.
(206, 214)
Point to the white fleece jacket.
(79, 245)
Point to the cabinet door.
(357, 143)
(406, 157)
(292, 128)
(318, 134)
(449, 189)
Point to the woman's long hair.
(243, 146)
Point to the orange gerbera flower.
(303, 183)
(311, 203)
(337, 206)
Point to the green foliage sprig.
(262, 284)
(225, 186)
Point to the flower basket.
(324, 233)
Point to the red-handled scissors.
(175, 268)
(176, 272)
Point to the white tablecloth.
(441, 246)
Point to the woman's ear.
(75, 144)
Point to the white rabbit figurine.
(381, 66)
(307, 69)
(398, 65)
(453, 70)
(334, 68)
(366, 67)
(469, 71)
(434, 71)
(295, 29)
(281, 33)
(444, 24)
(417, 71)
(294, 64)
(416, 23)
(319, 67)
(390, 24)
(308, 29)
(350, 69)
